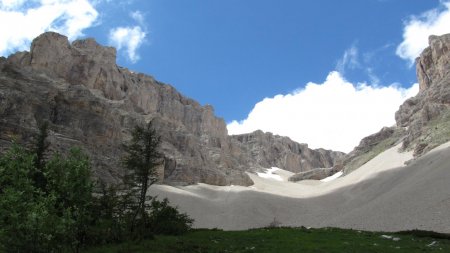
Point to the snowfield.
(269, 174)
(332, 177)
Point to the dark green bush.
(49, 205)
(26, 217)
(425, 233)
(112, 215)
(43, 220)
(165, 219)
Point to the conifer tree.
(142, 158)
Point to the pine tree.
(40, 148)
(142, 158)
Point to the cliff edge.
(92, 103)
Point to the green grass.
(286, 240)
(435, 133)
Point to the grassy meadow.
(286, 240)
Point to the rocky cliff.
(92, 103)
(267, 150)
(426, 117)
(423, 121)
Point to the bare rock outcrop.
(92, 103)
(423, 121)
(426, 117)
(315, 174)
(267, 150)
(369, 147)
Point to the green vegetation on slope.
(52, 205)
(373, 152)
(287, 240)
(435, 133)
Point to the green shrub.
(44, 220)
(49, 205)
(110, 212)
(165, 219)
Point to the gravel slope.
(382, 195)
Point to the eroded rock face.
(426, 114)
(92, 103)
(423, 121)
(369, 147)
(434, 62)
(315, 174)
(267, 150)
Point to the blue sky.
(290, 67)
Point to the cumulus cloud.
(334, 115)
(21, 21)
(130, 38)
(418, 28)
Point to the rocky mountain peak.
(423, 121)
(269, 150)
(426, 116)
(52, 52)
(81, 62)
(434, 62)
(92, 103)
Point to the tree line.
(54, 205)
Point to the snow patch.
(332, 177)
(395, 239)
(432, 244)
(269, 174)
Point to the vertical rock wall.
(91, 102)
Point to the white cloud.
(334, 115)
(418, 28)
(11, 4)
(349, 60)
(374, 79)
(22, 21)
(129, 38)
(138, 17)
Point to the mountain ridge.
(93, 103)
(423, 121)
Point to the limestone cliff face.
(426, 117)
(267, 150)
(423, 121)
(92, 103)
